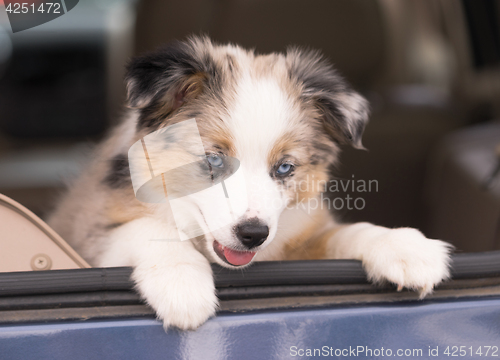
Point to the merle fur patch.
(119, 173)
(345, 112)
(157, 80)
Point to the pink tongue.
(238, 257)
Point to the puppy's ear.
(344, 112)
(160, 82)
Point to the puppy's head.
(276, 119)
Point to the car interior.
(429, 68)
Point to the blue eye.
(215, 161)
(284, 169)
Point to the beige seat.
(27, 243)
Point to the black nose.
(252, 233)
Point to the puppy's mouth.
(231, 256)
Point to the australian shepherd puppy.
(159, 195)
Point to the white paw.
(408, 259)
(183, 296)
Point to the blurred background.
(430, 68)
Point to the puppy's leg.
(402, 256)
(172, 276)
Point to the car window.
(430, 71)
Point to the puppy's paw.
(408, 259)
(182, 296)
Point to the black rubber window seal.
(272, 273)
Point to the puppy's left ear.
(161, 82)
(344, 112)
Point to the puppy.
(274, 121)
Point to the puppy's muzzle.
(251, 233)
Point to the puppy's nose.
(252, 233)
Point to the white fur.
(173, 277)
(404, 256)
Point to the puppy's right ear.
(344, 112)
(160, 82)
